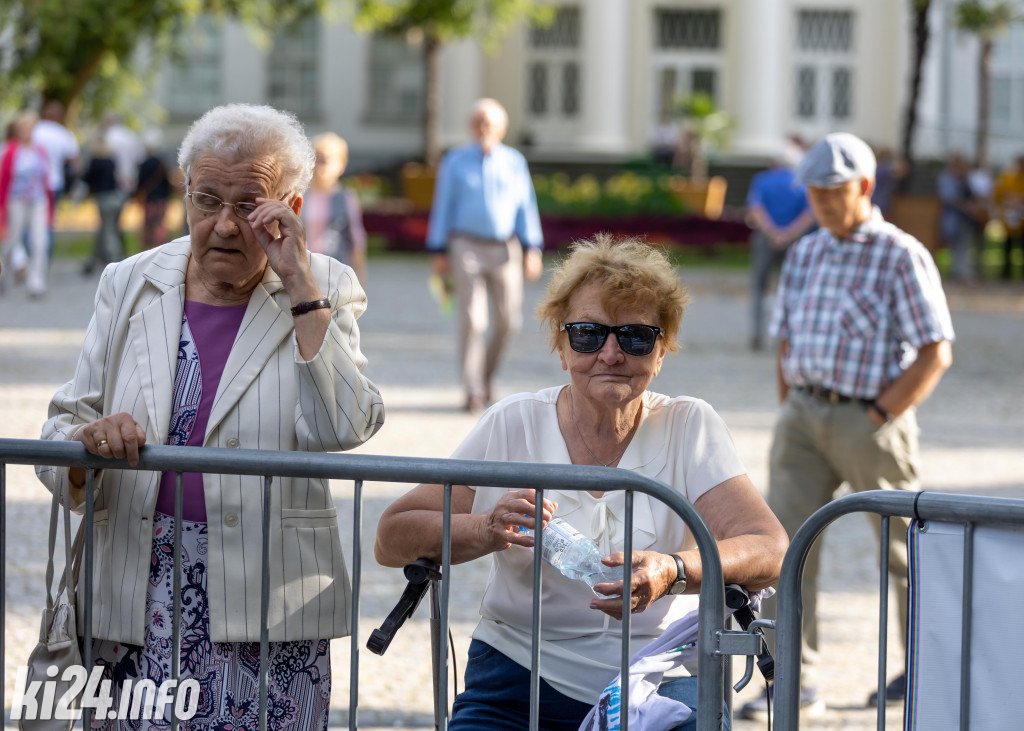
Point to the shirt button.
(231, 520)
(233, 443)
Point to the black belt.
(829, 396)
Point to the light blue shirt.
(490, 196)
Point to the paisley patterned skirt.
(227, 673)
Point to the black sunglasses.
(589, 337)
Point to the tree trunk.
(922, 34)
(431, 106)
(981, 139)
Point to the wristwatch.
(679, 585)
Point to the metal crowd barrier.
(966, 509)
(713, 642)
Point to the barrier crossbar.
(967, 509)
(360, 468)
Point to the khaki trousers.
(487, 275)
(817, 447)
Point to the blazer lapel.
(264, 326)
(155, 331)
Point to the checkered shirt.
(856, 310)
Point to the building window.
(396, 84)
(538, 88)
(293, 69)
(553, 69)
(823, 90)
(564, 31)
(194, 83)
(688, 28)
(1006, 90)
(687, 57)
(825, 30)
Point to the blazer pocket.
(301, 518)
(317, 589)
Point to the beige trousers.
(487, 275)
(817, 447)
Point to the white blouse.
(682, 442)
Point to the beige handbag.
(58, 635)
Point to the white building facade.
(597, 81)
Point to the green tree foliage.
(987, 20)
(436, 22)
(83, 52)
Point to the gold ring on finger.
(101, 443)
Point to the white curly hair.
(239, 132)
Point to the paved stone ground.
(972, 431)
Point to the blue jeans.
(497, 695)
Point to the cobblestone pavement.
(972, 431)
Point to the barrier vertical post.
(357, 578)
(446, 580)
(265, 606)
(538, 558)
(627, 608)
(176, 586)
(90, 488)
(3, 581)
(967, 619)
(883, 617)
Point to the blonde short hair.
(331, 144)
(631, 274)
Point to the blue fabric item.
(780, 194)
(489, 196)
(497, 697)
(684, 690)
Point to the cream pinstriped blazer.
(268, 398)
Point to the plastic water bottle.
(575, 555)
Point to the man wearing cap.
(864, 337)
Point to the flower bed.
(407, 231)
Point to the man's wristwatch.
(679, 585)
(872, 405)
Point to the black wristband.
(873, 406)
(303, 307)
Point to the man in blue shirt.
(485, 231)
(777, 210)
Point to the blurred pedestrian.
(25, 202)
(1008, 199)
(961, 209)
(153, 191)
(864, 337)
(330, 211)
(778, 213)
(890, 171)
(63, 152)
(101, 178)
(485, 228)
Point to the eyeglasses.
(589, 337)
(212, 204)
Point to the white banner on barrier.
(936, 567)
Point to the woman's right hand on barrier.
(515, 509)
(117, 436)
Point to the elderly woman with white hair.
(235, 336)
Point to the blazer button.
(231, 520)
(233, 443)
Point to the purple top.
(207, 334)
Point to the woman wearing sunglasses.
(613, 310)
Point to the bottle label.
(557, 539)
